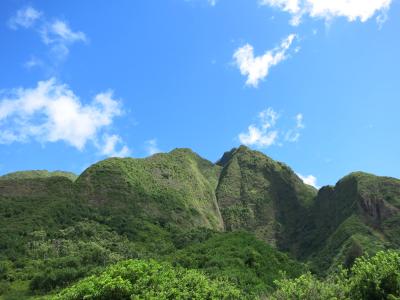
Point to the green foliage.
(375, 278)
(52, 278)
(251, 264)
(56, 260)
(308, 287)
(29, 205)
(55, 230)
(136, 279)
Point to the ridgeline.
(245, 227)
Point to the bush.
(307, 287)
(51, 279)
(138, 279)
(377, 277)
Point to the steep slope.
(360, 214)
(261, 195)
(172, 189)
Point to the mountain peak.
(241, 150)
(226, 157)
(182, 150)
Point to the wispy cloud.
(24, 17)
(256, 68)
(293, 135)
(151, 147)
(265, 133)
(51, 112)
(352, 10)
(33, 62)
(59, 36)
(309, 179)
(56, 34)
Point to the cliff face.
(360, 212)
(258, 194)
(379, 198)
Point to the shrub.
(377, 277)
(138, 279)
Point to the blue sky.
(312, 83)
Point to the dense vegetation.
(375, 278)
(369, 278)
(251, 264)
(136, 279)
(245, 227)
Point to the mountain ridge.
(172, 205)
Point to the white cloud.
(293, 134)
(353, 10)
(310, 180)
(51, 112)
(212, 2)
(265, 132)
(59, 31)
(25, 17)
(261, 135)
(110, 143)
(152, 147)
(257, 68)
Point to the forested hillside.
(176, 226)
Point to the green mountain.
(170, 189)
(263, 196)
(360, 214)
(246, 219)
